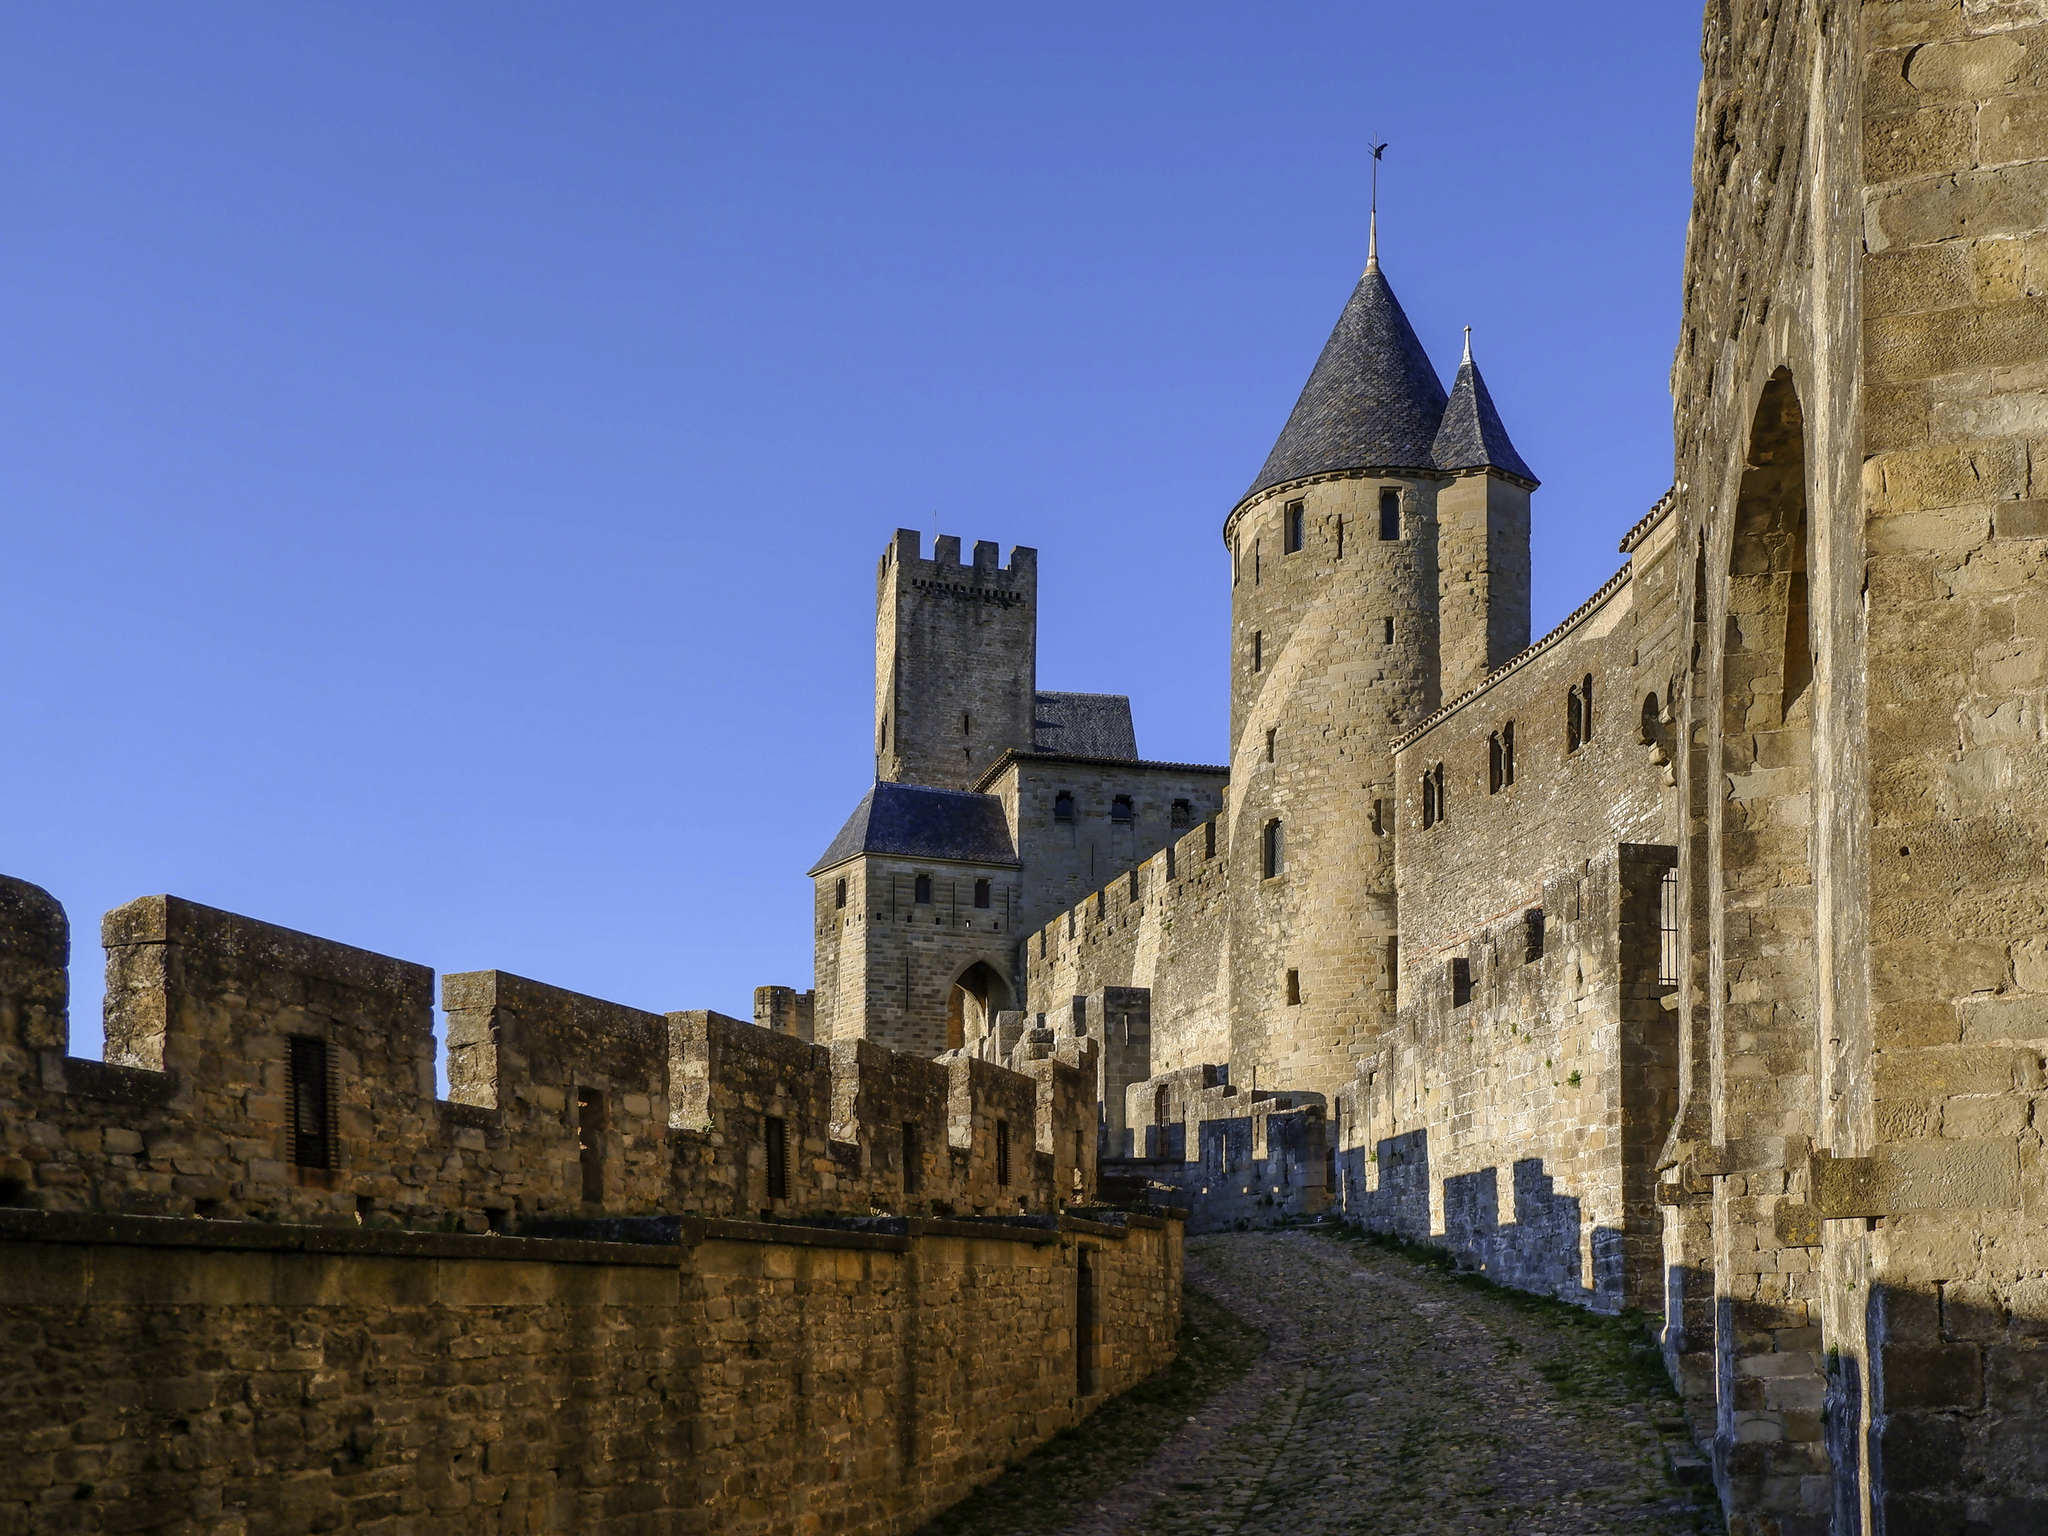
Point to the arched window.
(982, 893)
(1272, 849)
(924, 890)
(1063, 806)
(1429, 806)
(1586, 708)
(1574, 720)
(1295, 518)
(839, 895)
(1120, 810)
(1496, 764)
(1181, 816)
(1507, 754)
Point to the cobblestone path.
(1395, 1400)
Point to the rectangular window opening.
(590, 1143)
(1002, 1154)
(1387, 630)
(775, 1135)
(1532, 934)
(1258, 650)
(1667, 923)
(1390, 516)
(311, 1102)
(1293, 989)
(1461, 982)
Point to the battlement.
(257, 1072)
(983, 568)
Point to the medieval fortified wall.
(640, 1271)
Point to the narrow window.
(883, 743)
(1390, 515)
(913, 1160)
(1392, 961)
(1667, 923)
(1236, 560)
(1507, 753)
(839, 895)
(1574, 720)
(1532, 934)
(982, 894)
(1495, 773)
(775, 1134)
(590, 1143)
(1132, 894)
(1269, 746)
(1002, 1154)
(1120, 809)
(1295, 516)
(923, 892)
(1256, 563)
(1294, 989)
(1258, 650)
(1340, 536)
(1063, 806)
(1084, 1325)
(1428, 800)
(1586, 707)
(1461, 982)
(967, 725)
(1387, 630)
(1436, 775)
(311, 1103)
(1272, 850)
(1169, 861)
(1180, 816)
(1379, 818)
(1209, 839)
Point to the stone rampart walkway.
(1392, 1400)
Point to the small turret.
(1482, 534)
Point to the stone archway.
(977, 995)
(1763, 994)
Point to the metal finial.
(1468, 343)
(1372, 239)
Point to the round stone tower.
(1334, 654)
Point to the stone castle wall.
(640, 1270)
(734, 1379)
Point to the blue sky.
(448, 445)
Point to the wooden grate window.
(310, 1102)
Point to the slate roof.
(1372, 400)
(1472, 436)
(918, 822)
(1085, 725)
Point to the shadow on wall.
(1538, 1250)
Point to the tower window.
(966, 725)
(1063, 806)
(923, 890)
(1258, 650)
(1269, 745)
(982, 894)
(1461, 982)
(1390, 515)
(1292, 523)
(1532, 935)
(1120, 810)
(1507, 752)
(311, 1104)
(1272, 850)
(1180, 815)
(1294, 989)
(1586, 704)
(1256, 564)
(1236, 560)
(839, 895)
(1387, 630)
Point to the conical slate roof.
(1472, 436)
(1372, 400)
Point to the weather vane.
(1372, 248)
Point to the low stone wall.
(744, 1378)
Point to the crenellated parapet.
(255, 1072)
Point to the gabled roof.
(1373, 399)
(1472, 436)
(1084, 725)
(916, 821)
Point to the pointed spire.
(1472, 435)
(1372, 401)
(1372, 243)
